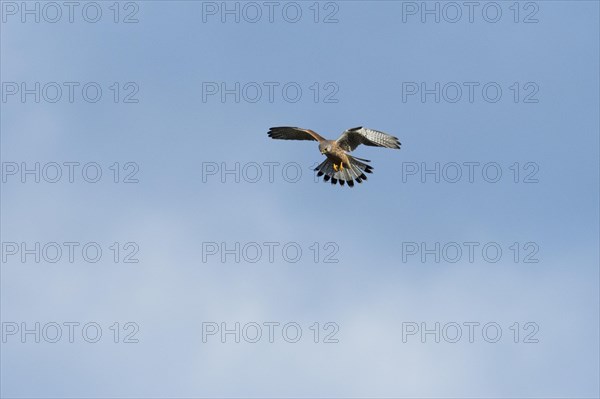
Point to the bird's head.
(325, 148)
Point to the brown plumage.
(340, 166)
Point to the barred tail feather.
(356, 171)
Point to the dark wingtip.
(350, 183)
(272, 134)
(359, 180)
(333, 180)
(342, 182)
(274, 130)
(320, 173)
(326, 178)
(363, 176)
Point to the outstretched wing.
(293, 133)
(352, 138)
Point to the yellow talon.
(338, 168)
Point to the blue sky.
(375, 290)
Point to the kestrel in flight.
(339, 165)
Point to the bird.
(339, 166)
